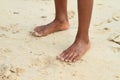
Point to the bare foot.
(74, 52)
(55, 26)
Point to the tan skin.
(60, 23)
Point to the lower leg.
(60, 22)
(61, 10)
(84, 14)
(81, 44)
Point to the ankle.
(62, 24)
(61, 21)
(82, 39)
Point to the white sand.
(23, 57)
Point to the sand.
(24, 57)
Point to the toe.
(67, 59)
(73, 57)
(76, 58)
(38, 29)
(36, 34)
(62, 56)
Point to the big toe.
(34, 33)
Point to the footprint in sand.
(8, 72)
(103, 30)
(109, 20)
(15, 12)
(117, 77)
(17, 70)
(14, 29)
(11, 28)
(100, 4)
(116, 16)
(99, 23)
(42, 61)
(115, 38)
(3, 28)
(116, 49)
(5, 73)
(3, 35)
(5, 50)
(43, 16)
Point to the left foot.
(52, 27)
(74, 52)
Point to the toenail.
(37, 34)
(74, 60)
(66, 60)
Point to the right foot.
(55, 26)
